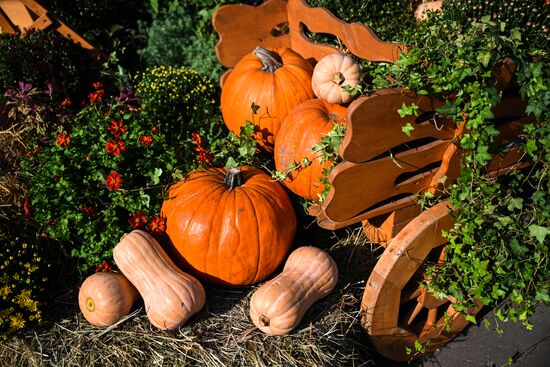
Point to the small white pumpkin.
(331, 74)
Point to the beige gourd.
(331, 74)
(104, 298)
(170, 295)
(278, 306)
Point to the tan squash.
(331, 74)
(170, 295)
(104, 298)
(278, 306)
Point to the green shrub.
(101, 178)
(46, 59)
(388, 19)
(182, 102)
(23, 276)
(185, 37)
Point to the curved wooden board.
(244, 27)
(358, 188)
(359, 39)
(374, 125)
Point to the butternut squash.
(104, 298)
(170, 295)
(278, 306)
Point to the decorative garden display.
(263, 88)
(440, 164)
(104, 298)
(278, 306)
(170, 296)
(332, 75)
(383, 168)
(231, 226)
(301, 132)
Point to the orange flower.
(202, 156)
(154, 129)
(63, 140)
(96, 96)
(146, 139)
(137, 219)
(116, 128)
(66, 102)
(157, 226)
(97, 85)
(113, 181)
(32, 153)
(115, 147)
(27, 208)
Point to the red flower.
(113, 181)
(154, 129)
(104, 268)
(146, 139)
(202, 156)
(137, 219)
(63, 140)
(116, 128)
(97, 85)
(96, 96)
(66, 102)
(115, 147)
(89, 210)
(27, 208)
(157, 226)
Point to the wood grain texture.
(357, 188)
(5, 24)
(360, 40)
(244, 27)
(374, 125)
(17, 13)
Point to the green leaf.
(538, 232)
(231, 163)
(407, 129)
(154, 5)
(484, 58)
(515, 203)
(470, 318)
(254, 108)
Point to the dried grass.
(220, 335)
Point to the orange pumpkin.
(302, 130)
(231, 227)
(276, 81)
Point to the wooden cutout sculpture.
(382, 168)
(24, 15)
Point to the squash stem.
(264, 320)
(339, 78)
(233, 178)
(270, 60)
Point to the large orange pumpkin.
(231, 227)
(276, 81)
(302, 130)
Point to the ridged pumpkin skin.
(275, 92)
(331, 74)
(170, 296)
(104, 298)
(229, 236)
(278, 306)
(304, 128)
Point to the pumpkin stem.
(339, 78)
(233, 178)
(264, 320)
(270, 60)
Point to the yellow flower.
(17, 321)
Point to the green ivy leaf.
(515, 203)
(538, 232)
(254, 108)
(484, 58)
(407, 129)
